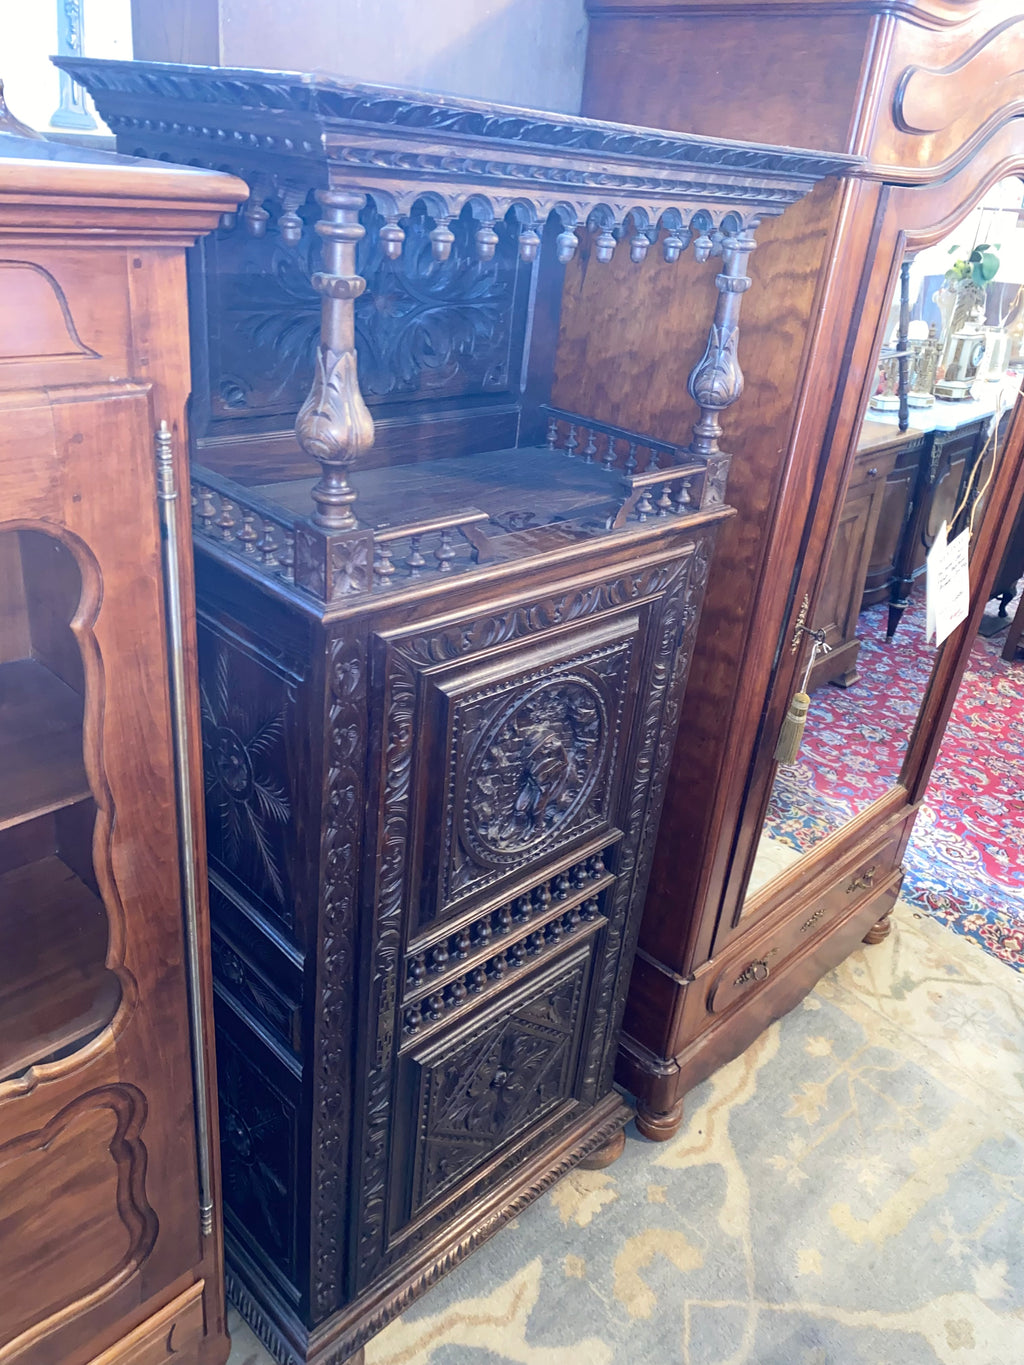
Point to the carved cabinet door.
(507, 818)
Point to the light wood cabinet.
(106, 1187)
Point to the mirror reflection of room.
(947, 377)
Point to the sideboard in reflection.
(903, 486)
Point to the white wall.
(28, 37)
(527, 52)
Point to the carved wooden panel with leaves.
(245, 707)
(424, 329)
(481, 1085)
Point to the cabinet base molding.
(339, 1339)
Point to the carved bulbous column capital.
(716, 381)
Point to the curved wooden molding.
(101, 1229)
(986, 84)
(47, 328)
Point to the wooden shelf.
(55, 989)
(40, 743)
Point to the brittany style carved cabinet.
(110, 1245)
(929, 92)
(444, 633)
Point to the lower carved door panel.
(496, 1083)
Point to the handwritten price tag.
(948, 584)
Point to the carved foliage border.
(404, 658)
(657, 728)
(340, 857)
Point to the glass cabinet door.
(56, 991)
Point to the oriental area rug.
(850, 1191)
(965, 861)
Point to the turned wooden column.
(334, 424)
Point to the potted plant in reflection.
(970, 347)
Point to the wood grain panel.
(167, 1336)
(802, 77)
(90, 1157)
(611, 373)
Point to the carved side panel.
(654, 739)
(255, 993)
(483, 1084)
(246, 707)
(257, 1143)
(95, 1227)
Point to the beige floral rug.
(850, 1191)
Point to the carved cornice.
(379, 130)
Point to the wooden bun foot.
(659, 1127)
(604, 1156)
(879, 931)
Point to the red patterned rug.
(965, 862)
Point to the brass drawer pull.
(810, 923)
(864, 881)
(756, 971)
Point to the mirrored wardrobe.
(930, 443)
(886, 414)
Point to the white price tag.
(948, 584)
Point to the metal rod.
(167, 495)
(902, 348)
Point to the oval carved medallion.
(534, 767)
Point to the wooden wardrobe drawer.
(767, 954)
(173, 1334)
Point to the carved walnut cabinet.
(110, 1237)
(444, 635)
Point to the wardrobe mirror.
(930, 440)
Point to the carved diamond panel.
(486, 1083)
